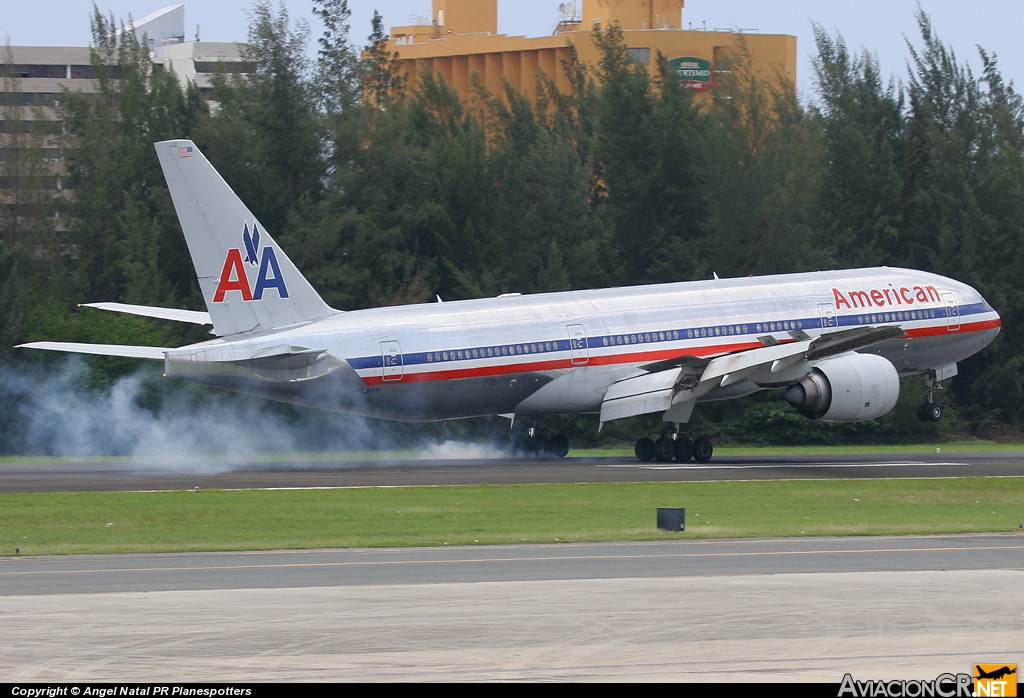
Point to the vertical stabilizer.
(247, 281)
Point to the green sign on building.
(694, 73)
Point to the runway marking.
(556, 559)
(767, 466)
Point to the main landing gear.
(529, 440)
(672, 444)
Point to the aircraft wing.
(673, 386)
(127, 351)
(640, 394)
(851, 340)
(196, 317)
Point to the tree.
(544, 229)
(764, 164)
(861, 120)
(119, 215)
(383, 80)
(633, 172)
(962, 156)
(266, 133)
(32, 255)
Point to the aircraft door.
(392, 357)
(952, 312)
(827, 312)
(578, 345)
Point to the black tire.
(557, 446)
(664, 449)
(644, 450)
(703, 449)
(683, 449)
(929, 412)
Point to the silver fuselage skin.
(559, 352)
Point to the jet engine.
(847, 388)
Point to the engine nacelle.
(847, 388)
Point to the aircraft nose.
(994, 321)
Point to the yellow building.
(461, 38)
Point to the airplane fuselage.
(837, 342)
(559, 352)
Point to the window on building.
(83, 72)
(48, 127)
(27, 99)
(224, 67)
(639, 55)
(39, 71)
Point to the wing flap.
(741, 364)
(640, 394)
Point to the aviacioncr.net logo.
(995, 680)
(942, 686)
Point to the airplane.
(836, 342)
(995, 674)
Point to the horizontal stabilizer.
(130, 352)
(196, 317)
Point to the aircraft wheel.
(683, 449)
(557, 446)
(703, 449)
(929, 412)
(664, 449)
(644, 450)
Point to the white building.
(34, 77)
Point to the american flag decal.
(185, 151)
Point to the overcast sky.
(881, 26)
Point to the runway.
(767, 611)
(181, 474)
(569, 562)
(778, 610)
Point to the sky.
(880, 26)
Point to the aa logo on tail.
(234, 278)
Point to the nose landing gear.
(930, 411)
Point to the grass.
(99, 522)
